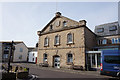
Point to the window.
(104, 41)
(5, 56)
(99, 42)
(115, 40)
(51, 27)
(119, 40)
(69, 58)
(112, 59)
(112, 40)
(99, 30)
(46, 42)
(6, 48)
(33, 54)
(33, 59)
(64, 24)
(44, 57)
(57, 40)
(69, 38)
(112, 28)
(20, 57)
(21, 49)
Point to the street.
(51, 73)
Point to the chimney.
(82, 23)
(57, 14)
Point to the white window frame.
(69, 38)
(45, 57)
(57, 40)
(46, 41)
(64, 23)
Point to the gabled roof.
(16, 42)
(58, 15)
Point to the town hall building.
(63, 42)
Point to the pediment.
(58, 23)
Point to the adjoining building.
(108, 38)
(32, 54)
(19, 54)
(63, 42)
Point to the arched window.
(46, 41)
(64, 24)
(44, 57)
(69, 58)
(57, 40)
(69, 38)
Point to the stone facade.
(83, 39)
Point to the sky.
(20, 21)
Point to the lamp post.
(11, 51)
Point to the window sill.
(46, 46)
(56, 44)
(69, 63)
(70, 43)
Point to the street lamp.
(12, 47)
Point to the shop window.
(104, 41)
(115, 40)
(99, 42)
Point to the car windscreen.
(112, 59)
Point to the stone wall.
(77, 48)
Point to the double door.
(57, 62)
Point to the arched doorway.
(56, 61)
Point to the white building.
(32, 55)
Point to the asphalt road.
(47, 74)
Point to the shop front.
(93, 59)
